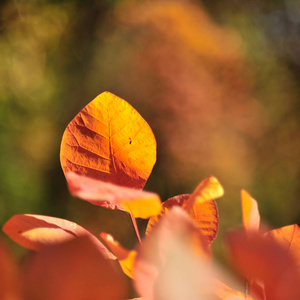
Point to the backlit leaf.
(205, 215)
(108, 140)
(251, 217)
(139, 204)
(74, 270)
(208, 189)
(289, 238)
(35, 232)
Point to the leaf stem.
(247, 289)
(135, 228)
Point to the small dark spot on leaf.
(130, 141)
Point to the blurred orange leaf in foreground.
(108, 140)
(224, 292)
(139, 204)
(264, 260)
(9, 287)
(171, 258)
(73, 270)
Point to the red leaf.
(140, 204)
(9, 287)
(263, 259)
(108, 140)
(289, 238)
(35, 232)
(73, 270)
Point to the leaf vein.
(107, 158)
(94, 169)
(98, 133)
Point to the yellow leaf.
(208, 189)
(126, 257)
(251, 217)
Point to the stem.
(247, 287)
(135, 228)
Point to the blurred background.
(217, 81)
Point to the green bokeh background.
(56, 56)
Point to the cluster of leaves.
(107, 154)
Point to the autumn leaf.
(35, 232)
(125, 257)
(264, 260)
(73, 269)
(171, 258)
(108, 140)
(200, 205)
(205, 215)
(139, 204)
(251, 217)
(289, 238)
(209, 188)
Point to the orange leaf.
(170, 258)
(73, 270)
(108, 140)
(36, 231)
(205, 215)
(289, 238)
(9, 288)
(251, 217)
(126, 257)
(140, 204)
(263, 259)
